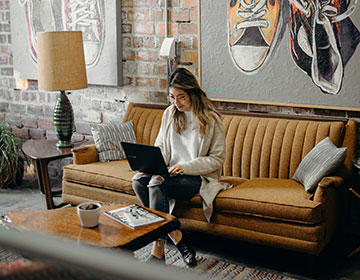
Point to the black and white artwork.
(99, 21)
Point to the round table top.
(46, 148)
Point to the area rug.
(209, 267)
(13, 266)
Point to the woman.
(192, 141)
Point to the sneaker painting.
(349, 39)
(86, 16)
(39, 17)
(67, 15)
(315, 40)
(254, 27)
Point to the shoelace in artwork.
(23, 2)
(252, 13)
(325, 9)
(83, 13)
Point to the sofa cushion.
(279, 199)
(115, 175)
(232, 180)
(322, 160)
(107, 139)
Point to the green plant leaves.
(10, 161)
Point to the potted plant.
(11, 164)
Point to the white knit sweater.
(187, 143)
(207, 164)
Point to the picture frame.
(100, 22)
(279, 81)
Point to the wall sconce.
(168, 48)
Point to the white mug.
(89, 217)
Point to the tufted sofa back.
(258, 146)
(146, 122)
(270, 147)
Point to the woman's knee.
(140, 184)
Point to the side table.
(41, 153)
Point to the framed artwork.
(291, 51)
(99, 21)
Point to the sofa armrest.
(333, 181)
(324, 184)
(85, 154)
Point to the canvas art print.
(98, 20)
(253, 31)
(323, 39)
(322, 36)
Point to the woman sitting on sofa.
(192, 141)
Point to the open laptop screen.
(145, 158)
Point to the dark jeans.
(156, 197)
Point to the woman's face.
(180, 99)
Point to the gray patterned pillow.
(322, 160)
(107, 138)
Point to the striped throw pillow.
(322, 160)
(107, 138)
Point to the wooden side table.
(41, 153)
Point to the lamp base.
(64, 144)
(63, 121)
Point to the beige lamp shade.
(61, 61)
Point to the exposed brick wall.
(29, 112)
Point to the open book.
(134, 216)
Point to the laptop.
(145, 158)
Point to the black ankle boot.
(187, 252)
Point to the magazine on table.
(134, 216)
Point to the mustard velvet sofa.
(265, 206)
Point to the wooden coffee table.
(64, 222)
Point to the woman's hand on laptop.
(176, 169)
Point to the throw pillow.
(107, 138)
(322, 160)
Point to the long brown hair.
(201, 105)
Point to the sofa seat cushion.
(278, 199)
(196, 202)
(232, 180)
(114, 175)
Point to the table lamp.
(61, 66)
